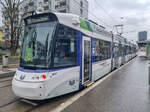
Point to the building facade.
(1, 35)
(142, 36)
(79, 7)
(6, 24)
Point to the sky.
(133, 14)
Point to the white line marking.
(29, 102)
(63, 105)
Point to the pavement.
(8, 73)
(126, 90)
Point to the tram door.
(86, 59)
(116, 56)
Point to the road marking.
(90, 83)
(29, 102)
(64, 105)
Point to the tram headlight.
(44, 76)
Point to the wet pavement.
(11, 103)
(126, 90)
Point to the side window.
(65, 53)
(102, 50)
(120, 50)
(97, 51)
(116, 50)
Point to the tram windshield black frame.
(35, 21)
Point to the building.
(142, 36)
(1, 35)
(142, 40)
(79, 7)
(6, 24)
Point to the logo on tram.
(22, 77)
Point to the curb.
(8, 74)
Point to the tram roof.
(86, 26)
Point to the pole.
(112, 50)
(149, 76)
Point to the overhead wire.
(94, 15)
(106, 12)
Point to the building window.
(61, 4)
(81, 11)
(102, 50)
(116, 50)
(40, 3)
(81, 3)
(31, 3)
(46, 8)
(63, 11)
(45, 0)
(65, 53)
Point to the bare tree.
(11, 9)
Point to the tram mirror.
(75, 21)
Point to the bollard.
(5, 63)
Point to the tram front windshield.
(36, 48)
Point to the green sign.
(29, 55)
(85, 25)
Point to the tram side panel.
(68, 80)
(120, 54)
(101, 58)
(63, 82)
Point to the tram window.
(102, 50)
(120, 50)
(65, 52)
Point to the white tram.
(62, 53)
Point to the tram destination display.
(37, 19)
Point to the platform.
(126, 90)
(9, 73)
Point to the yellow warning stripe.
(90, 83)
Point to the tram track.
(33, 108)
(21, 100)
(38, 104)
(5, 86)
(5, 82)
(6, 79)
(11, 102)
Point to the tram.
(62, 53)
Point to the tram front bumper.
(28, 90)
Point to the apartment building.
(79, 7)
(6, 24)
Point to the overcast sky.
(134, 13)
